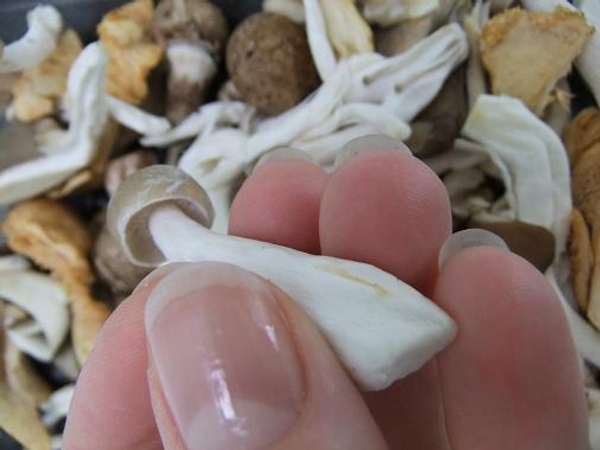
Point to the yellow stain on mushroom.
(379, 290)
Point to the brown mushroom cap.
(269, 61)
(533, 243)
(142, 193)
(192, 20)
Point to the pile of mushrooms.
(156, 124)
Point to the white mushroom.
(292, 9)
(390, 12)
(76, 147)
(56, 407)
(44, 26)
(40, 324)
(137, 119)
(381, 328)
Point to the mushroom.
(269, 61)
(44, 26)
(381, 328)
(38, 89)
(391, 12)
(126, 33)
(194, 32)
(77, 147)
(348, 32)
(393, 40)
(534, 243)
(55, 238)
(520, 50)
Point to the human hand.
(231, 362)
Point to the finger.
(279, 203)
(111, 407)
(510, 379)
(389, 209)
(236, 364)
(233, 363)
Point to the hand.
(233, 363)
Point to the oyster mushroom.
(55, 238)
(38, 89)
(520, 50)
(269, 61)
(44, 26)
(381, 328)
(194, 33)
(126, 33)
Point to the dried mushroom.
(582, 258)
(391, 41)
(348, 32)
(55, 238)
(292, 9)
(390, 12)
(165, 201)
(194, 32)
(126, 33)
(269, 61)
(74, 149)
(44, 26)
(39, 88)
(583, 141)
(535, 244)
(527, 52)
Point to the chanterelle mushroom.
(381, 328)
(269, 61)
(194, 32)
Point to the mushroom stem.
(381, 328)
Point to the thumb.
(235, 364)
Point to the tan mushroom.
(126, 33)
(50, 234)
(269, 62)
(582, 140)
(194, 33)
(527, 52)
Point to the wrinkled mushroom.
(44, 26)
(37, 91)
(526, 52)
(194, 33)
(269, 61)
(160, 214)
(78, 146)
(126, 33)
(51, 235)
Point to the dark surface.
(84, 15)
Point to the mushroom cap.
(143, 192)
(192, 20)
(270, 63)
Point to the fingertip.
(389, 209)
(510, 379)
(279, 203)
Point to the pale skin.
(510, 379)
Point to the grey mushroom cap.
(139, 195)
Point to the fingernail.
(367, 143)
(282, 153)
(472, 237)
(224, 356)
(157, 274)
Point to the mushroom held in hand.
(269, 61)
(195, 32)
(381, 328)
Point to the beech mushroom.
(194, 32)
(381, 328)
(269, 61)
